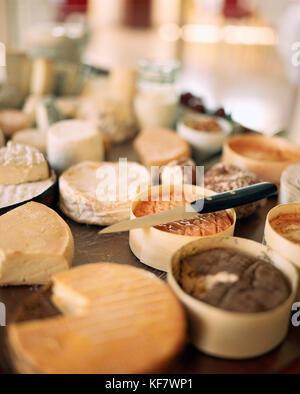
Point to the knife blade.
(217, 202)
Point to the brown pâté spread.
(234, 281)
(202, 225)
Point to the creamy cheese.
(32, 137)
(71, 141)
(22, 164)
(89, 192)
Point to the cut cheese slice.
(71, 141)
(32, 137)
(22, 164)
(90, 192)
(35, 244)
(120, 320)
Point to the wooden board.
(91, 248)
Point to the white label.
(2, 55)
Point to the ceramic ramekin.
(155, 247)
(204, 143)
(228, 334)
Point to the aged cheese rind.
(35, 244)
(22, 164)
(78, 193)
(131, 323)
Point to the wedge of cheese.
(35, 244)
(22, 164)
(120, 319)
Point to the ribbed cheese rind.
(132, 323)
(78, 192)
(21, 163)
(35, 243)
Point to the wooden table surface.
(91, 248)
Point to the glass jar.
(157, 100)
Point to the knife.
(217, 202)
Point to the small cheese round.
(22, 164)
(12, 120)
(90, 193)
(71, 141)
(32, 137)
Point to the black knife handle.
(235, 198)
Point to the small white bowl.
(204, 143)
(229, 334)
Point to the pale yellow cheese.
(35, 244)
(21, 164)
(120, 320)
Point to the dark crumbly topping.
(250, 285)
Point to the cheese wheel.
(35, 244)
(89, 191)
(158, 147)
(72, 141)
(32, 137)
(118, 319)
(21, 164)
(15, 194)
(12, 120)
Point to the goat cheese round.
(71, 141)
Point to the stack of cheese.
(117, 319)
(24, 174)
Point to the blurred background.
(234, 53)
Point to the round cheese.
(117, 319)
(72, 141)
(14, 194)
(90, 192)
(12, 120)
(22, 164)
(35, 244)
(32, 137)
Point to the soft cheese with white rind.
(22, 164)
(15, 194)
(35, 244)
(72, 141)
(88, 195)
(116, 319)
